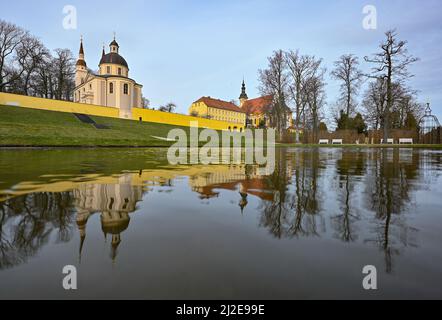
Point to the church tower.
(114, 47)
(243, 97)
(81, 67)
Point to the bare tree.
(301, 69)
(64, 70)
(347, 72)
(274, 81)
(31, 55)
(145, 102)
(403, 104)
(11, 37)
(391, 65)
(43, 82)
(170, 107)
(315, 92)
(374, 102)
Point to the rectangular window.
(111, 88)
(108, 70)
(119, 71)
(126, 88)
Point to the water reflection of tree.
(305, 202)
(275, 212)
(349, 167)
(293, 214)
(389, 178)
(27, 222)
(389, 185)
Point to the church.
(111, 86)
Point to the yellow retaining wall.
(181, 120)
(57, 105)
(94, 110)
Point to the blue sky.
(182, 50)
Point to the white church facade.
(111, 87)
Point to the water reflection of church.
(243, 179)
(114, 201)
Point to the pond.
(137, 228)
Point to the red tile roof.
(258, 105)
(220, 104)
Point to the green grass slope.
(30, 127)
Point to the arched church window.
(111, 88)
(126, 88)
(108, 70)
(119, 71)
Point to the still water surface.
(136, 227)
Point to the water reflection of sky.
(320, 217)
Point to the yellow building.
(253, 113)
(220, 110)
(111, 87)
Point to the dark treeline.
(298, 83)
(27, 67)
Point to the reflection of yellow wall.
(199, 176)
(137, 114)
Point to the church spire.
(243, 97)
(81, 63)
(243, 91)
(81, 46)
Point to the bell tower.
(80, 67)
(243, 97)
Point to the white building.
(111, 87)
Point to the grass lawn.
(30, 127)
(21, 127)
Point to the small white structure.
(338, 141)
(406, 141)
(389, 141)
(324, 141)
